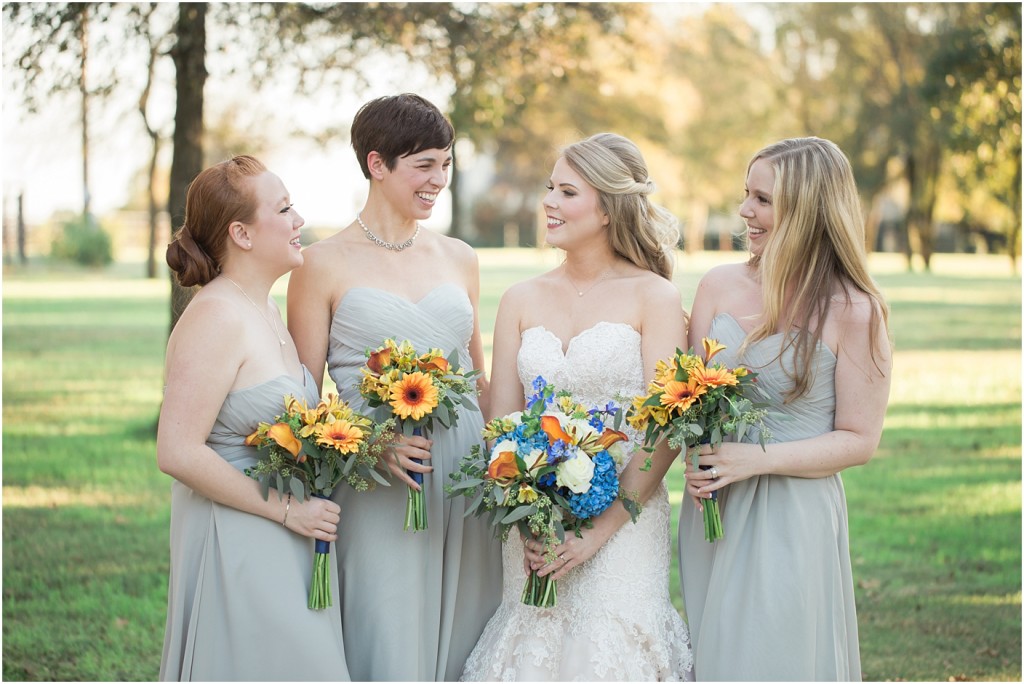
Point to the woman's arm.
(202, 364)
(507, 393)
(310, 302)
(862, 393)
(663, 330)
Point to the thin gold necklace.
(592, 285)
(256, 306)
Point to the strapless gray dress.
(236, 604)
(774, 599)
(413, 603)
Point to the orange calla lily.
(253, 439)
(554, 430)
(379, 360)
(282, 434)
(435, 363)
(609, 437)
(711, 347)
(504, 468)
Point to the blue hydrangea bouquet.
(548, 471)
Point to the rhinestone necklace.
(256, 306)
(384, 243)
(592, 285)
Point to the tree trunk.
(153, 211)
(923, 175)
(83, 35)
(22, 256)
(154, 138)
(189, 56)
(456, 230)
(693, 240)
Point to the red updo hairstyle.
(216, 198)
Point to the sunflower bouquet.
(415, 389)
(550, 470)
(309, 451)
(690, 403)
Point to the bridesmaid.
(413, 604)
(774, 599)
(240, 566)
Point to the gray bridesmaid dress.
(236, 604)
(413, 603)
(774, 599)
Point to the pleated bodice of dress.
(773, 600)
(414, 602)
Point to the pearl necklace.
(592, 285)
(273, 327)
(384, 243)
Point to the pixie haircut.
(398, 125)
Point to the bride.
(595, 325)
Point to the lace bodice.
(603, 363)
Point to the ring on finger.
(714, 472)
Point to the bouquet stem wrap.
(416, 505)
(320, 587)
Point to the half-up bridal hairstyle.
(816, 244)
(639, 230)
(219, 196)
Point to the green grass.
(935, 517)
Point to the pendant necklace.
(384, 243)
(592, 285)
(256, 306)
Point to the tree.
(974, 85)
(189, 55)
(154, 41)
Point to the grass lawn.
(935, 517)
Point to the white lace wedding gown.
(613, 619)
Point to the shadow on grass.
(97, 573)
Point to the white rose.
(575, 473)
(502, 447)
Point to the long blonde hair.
(817, 242)
(639, 230)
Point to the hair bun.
(190, 262)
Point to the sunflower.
(715, 376)
(414, 396)
(340, 435)
(681, 395)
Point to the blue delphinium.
(604, 488)
(539, 386)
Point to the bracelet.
(287, 508)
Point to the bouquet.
(691, 403)
(550, 470)
(415, 389)
(310, 451)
